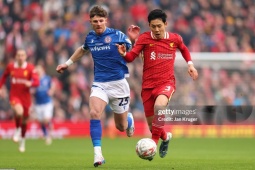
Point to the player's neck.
(20, 64)
(161, 36)
(101, 32)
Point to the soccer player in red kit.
(158, 83)
(22, 77)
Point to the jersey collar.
(105, 31)
(24, 65)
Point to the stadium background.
(220, 35)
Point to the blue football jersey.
(41, 93)
(109, 65)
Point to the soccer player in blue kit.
(44, 104)
(110, 70)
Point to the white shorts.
(44, 111)
(116, 93)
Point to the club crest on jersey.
(153, 55)
(171, 45)
(107, 39)
(25, 73)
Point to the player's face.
(158, 28)
(40, 70)
(21, 56)
(98, 24)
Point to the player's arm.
(5, 75)
(3, 78)
(34, 81)
(35, 78)
(186, 55)
(79, 52)
(131, 55)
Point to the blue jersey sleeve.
(123, 39)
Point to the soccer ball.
(146, 148)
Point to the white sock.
(97, 150)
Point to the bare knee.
(18, 109)
(120, 127)
(94, 114)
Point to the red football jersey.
(18, 76)
(159, 56)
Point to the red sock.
(23, 130)
(163, 135)
(17, 121)
(157, 128)
(156, 132)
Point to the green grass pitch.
(119, 153)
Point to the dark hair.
(98, 11)
(157, 14)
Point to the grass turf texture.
(119, 153)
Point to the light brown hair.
(98, 11)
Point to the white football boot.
(98, 156)
(130, 131)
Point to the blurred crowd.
(50, 31)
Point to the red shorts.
(149, 96)
(25, 105)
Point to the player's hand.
(121, 49)
(28, 83)
(192, 72)
(133, 32)
(60, 68)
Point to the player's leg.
(46, 123)
(18, 111)
(120, 105)
(125, 122)
(151, 106)
(158, 126)
(22, 146)
(164, 135)
(155, 126)
(39, 109)
(46, 128)
(25, 117)
(164, 94)
(97, 106)
(97, 103)
(148, 104)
